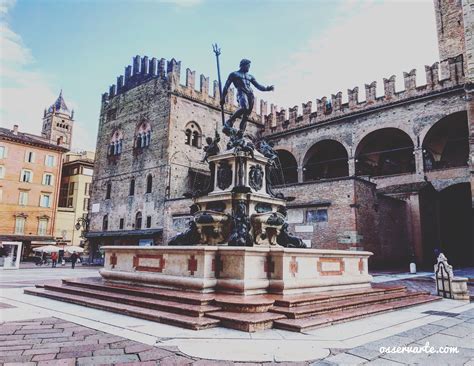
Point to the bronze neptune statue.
(242, 81)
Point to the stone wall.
(146, 103)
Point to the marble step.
(188, 297)
(247, 322)
(183, 321)
(319, 308)
(244, 304)
(144, 302)
(327, 296)
(312, 322)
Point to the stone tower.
(450, 28)
(58, 122)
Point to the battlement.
(329, 108)
(144, 69)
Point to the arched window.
(108, 190)
(188, 137)
(138, 221)
(115, 145)
(149, 183)
(193, 134)
(383, 152)
(105, 222)
(286, 171)
(324, 160)
(132, 187)
(196, 142)
(446, 145)
(143, 135)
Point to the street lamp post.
(83, 222)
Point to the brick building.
(389, 174)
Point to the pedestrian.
(54, 259)
(44, 259)
(74, 257)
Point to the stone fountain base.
(237, 270)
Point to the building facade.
(74, 196)
(390, 174)
(30, 175)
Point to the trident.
(217, 51)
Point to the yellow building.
(74, 196)
(30, 172)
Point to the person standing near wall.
(74, 257)
(54, 259)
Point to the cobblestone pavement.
(52, 341)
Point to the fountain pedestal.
(238, 243)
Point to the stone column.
(300, 174)
(352, 167)
(468, 20)
(419, 166)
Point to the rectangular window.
(87, 171)
(71, 188)
(45, 200)
(26, 176)
(30, 157)
(148, 222)
(48, 179)
(85, 206)
(87, 189)
(317, 215)
(70, 201)
(42, 226)
(49, 161)
(63, 195)
(2, 171)
(23, 198)
(121, 224)
(3, 152)
(20, 225)
(108, 191)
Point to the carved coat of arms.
(224, 176)
(256, 177)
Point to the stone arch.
(302, 157)
(325, 159)
(385, 151)
(446, 143)
(286, 171)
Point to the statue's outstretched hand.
(270, 88)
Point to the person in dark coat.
(74, 258)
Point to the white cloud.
(25, 91)
(5, 6)
(368, 41)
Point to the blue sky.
(307, 49)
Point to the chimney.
(15, 130)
